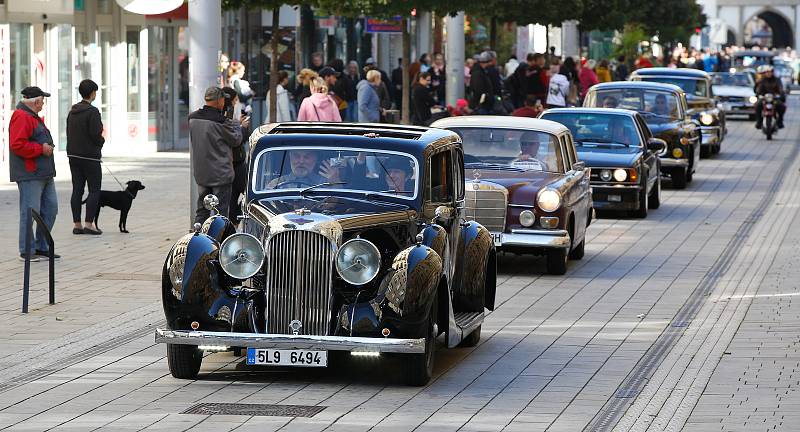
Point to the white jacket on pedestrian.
(511, 66)
(558, 91)
(284, 113)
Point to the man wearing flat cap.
(213, 137)
(32, 168)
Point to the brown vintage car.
(525, 184)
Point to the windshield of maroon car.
(653, 104)
(692, 86)
(330, 169)
(601, 131)
(499, 148)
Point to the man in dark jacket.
(483, 92)
(213, 136)
(239, 184)
(397, 84)
(32, 168)
(84, 143)
(421, 100)
(769, 83)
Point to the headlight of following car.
(358, 261)
(677, 153)
(241, 255)
(753, 99)
(605, 175)
(707, 119)
(620, 175)
(527, 218)
(549, 200)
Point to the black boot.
(759, 124)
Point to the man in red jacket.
(32, 168)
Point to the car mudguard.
(404, 298)
(193, 287)
(218, 227)
(475, 278)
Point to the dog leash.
(101, 163)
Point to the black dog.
(120, 200)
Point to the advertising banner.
(380, 25)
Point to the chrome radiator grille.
(486, 203)
(299, 274)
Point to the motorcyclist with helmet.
(769, 83)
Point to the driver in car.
(303, 164)
(610, 102)
(661, 107)
(618, 132)
(529, 151)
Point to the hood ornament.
(302, 212)
(476, 174)
(295, 326)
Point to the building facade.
(766, 23)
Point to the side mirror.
(657, 145)
(579, 166)
(442, 213)
(210, 202)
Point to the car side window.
(571, 148)
(458, 172)
(571, 158)
(441, 177)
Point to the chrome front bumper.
(281, 341)
(710, 135)
(674, 163)
(535, 238)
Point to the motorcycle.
(769, 115)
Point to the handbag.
(572, 98)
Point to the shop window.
(132, 41)
(20, 52)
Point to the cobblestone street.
(686, 320)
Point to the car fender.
(218, 227)
(409, 287)
(476, 280)
(193, 286)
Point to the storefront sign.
(380, 25)
(50, 7)
(327, 22)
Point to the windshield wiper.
(488, 165)
(308, 189)
(603, 141)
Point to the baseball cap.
(484, 57)
(34, 92)
(214, 93)
(327, 71)
(369, 61)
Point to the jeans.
(351, 112)
(223, 193)
(39, 195)
(83, 172)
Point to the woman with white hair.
(369, 104)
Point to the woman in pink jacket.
(319, 106)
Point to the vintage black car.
(353, 240)
(622, 153)
(702, 104)
(666, 112)
(525, 184)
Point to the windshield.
(594, 130)
(733, 79)
(522, 149)
(692, 87)
(752, 61)
(318, 169)
(653, 104)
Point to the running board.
(467, 322)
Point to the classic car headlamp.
(605, 175)
(358, 261)
(549, 200)
(527, 218)
(753, 99)
(707, 119)
(620, 175)
(676, 152)
(241, 255)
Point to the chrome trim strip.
(557, 239)
(258, 340)
(525, 206)
(539, 232)
(670, 162)
(614, 187)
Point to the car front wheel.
(184, 361)
(557, 262)
(419, 367)
(641, 212)
(679, 178)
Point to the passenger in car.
(304, 173)
(395, 174)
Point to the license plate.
(498, 239)
(276, 357)
(615, 198)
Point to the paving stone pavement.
(552, 357)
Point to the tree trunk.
(437, 33)
(493, 33)
(273, 64)
(406, 99)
